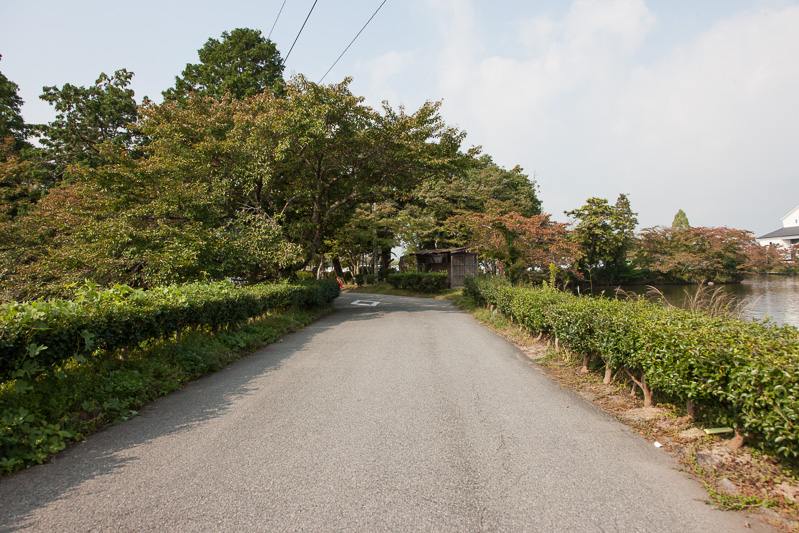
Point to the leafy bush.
(429, 282)
(43, 409)
(119, 318)
(741, 374)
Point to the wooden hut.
(458, 263)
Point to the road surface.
(394, 414)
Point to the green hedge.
(51, 332)
(739, 374)
(428, 282)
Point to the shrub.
(430, 282)
(741, 374)
(51, 332)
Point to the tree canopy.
(240, 174)
(89, 117)
(11, 122)
(242, 63)
(680, 221)
(241, 188)
(604, 233)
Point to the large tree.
(336, 153)
(242, 63)
(700, 254)
(234, 187)
(11, 123)
(432, 213)
(88, 118)
(521, 248)
(605, 235)
(21, 174)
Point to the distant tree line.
(243, 174)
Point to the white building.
(786, 236)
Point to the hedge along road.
(400, 415)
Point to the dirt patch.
(644, 413)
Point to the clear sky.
(681, 104)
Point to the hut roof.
(441, 251)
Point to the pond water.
(776, 297)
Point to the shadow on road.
(111, 449)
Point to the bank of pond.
(742, 374)
(762, 297)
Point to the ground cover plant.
(96, 379)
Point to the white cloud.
(383, 72)
(694, 128)
(719, 117)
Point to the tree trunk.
(647, 391)
(320, 271)
(586, 362)
(385, 262)
(642, 384)
(336, 260)
(690, 408)
(735, 443)
(608, 373)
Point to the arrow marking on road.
(367, 303)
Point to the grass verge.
(42, 412)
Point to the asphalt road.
(406, 415)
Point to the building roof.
(792, 231)
(789, 213)
(442, 251)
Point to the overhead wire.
(298, 33)
(277, 17)
(353, 40)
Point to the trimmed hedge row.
(419, 281)
(739, 374)
(53, 331)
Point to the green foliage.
(41, 410)
(425, 282)
(242, 64)
(680, 221)
(605, 235)
(122, 318)
(11, 122)
(431, 215)
(22, 175)
(87, 118)
(739, 374)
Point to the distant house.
(458, 263)
(786, 236)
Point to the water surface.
(775, 297)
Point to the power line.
(353, 40)
(277, 17)
(298, 33)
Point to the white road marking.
(367, 303)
